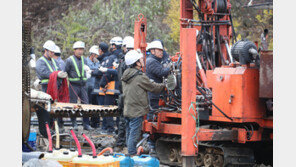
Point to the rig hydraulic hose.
(91, 144)
(77, 143)
(49, 138)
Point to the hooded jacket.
(136, 86)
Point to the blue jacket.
(93, 66)
(98, 74)
(108, 61)
(61, 63)
(155, 71)
(70, 69)
(166, 58)
(111, 74)
(118, 53)
(42, 69)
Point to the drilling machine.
(217, 107)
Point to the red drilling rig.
(217, 108)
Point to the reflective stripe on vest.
(81, 77)
(111, 88)
(49, 67)
(101, 92)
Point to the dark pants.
(94, 121)
(60, 120)
(108, 123)
(133, 133)
(154, 104)
(120, 141)
(121, 132)
(81, 92)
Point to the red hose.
(49, 138)
(91, 144)
(106, 149)
(77, 143)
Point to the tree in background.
(249, 23)
(104, 20)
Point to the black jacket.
(70, 69)
(155, 69)
(98, 74)
(156, 72)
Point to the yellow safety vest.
(110, 88)
(50, 69)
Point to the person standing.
(93, 63)
(57, 57)
(264, 40)
(128, 44)
(98, 92)
(109, 86)
(155, 71)
(135, 86)
(77, 78)
(45, 65)
(116, 44)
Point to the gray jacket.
(43, 71)
(136, 85)
(70, 69)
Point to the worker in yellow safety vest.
(45, 65)
(77, 80)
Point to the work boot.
(87, 127)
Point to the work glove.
(168, 65)
(39, 95)
(62, 74)
(115, 64)
(86, 68)
(103, 69)
(36, 83)
(88, 74)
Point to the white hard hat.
(148, 46)
(128, 42)
(79, 44)
(132, 56)
(94, 49)
(112, 41)
(116, 41)
(49, 45)
(127, 39)
(57, 49)
(156, 45)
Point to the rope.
(76, 94)
(196, 113)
